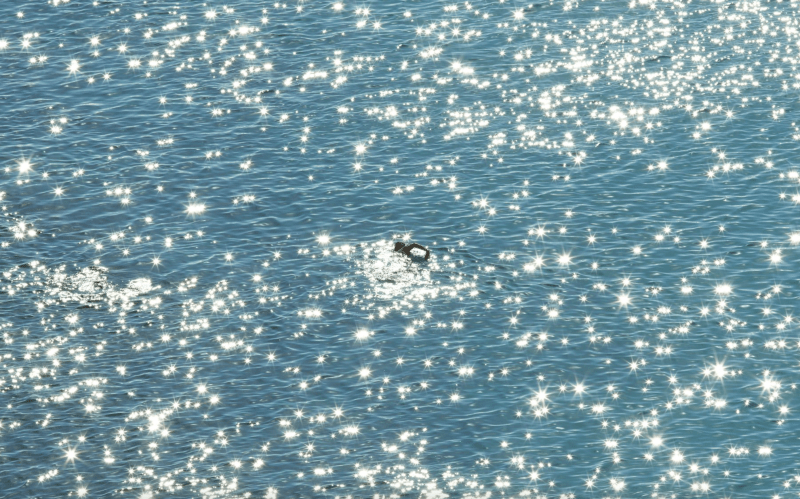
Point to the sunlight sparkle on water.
(199, 205)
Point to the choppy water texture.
(199, 296)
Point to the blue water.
(199, 296)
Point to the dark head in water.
(406, 248)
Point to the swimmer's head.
(398, 246)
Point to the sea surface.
(199, 295)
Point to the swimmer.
(406, 248)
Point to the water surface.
(199, 296)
